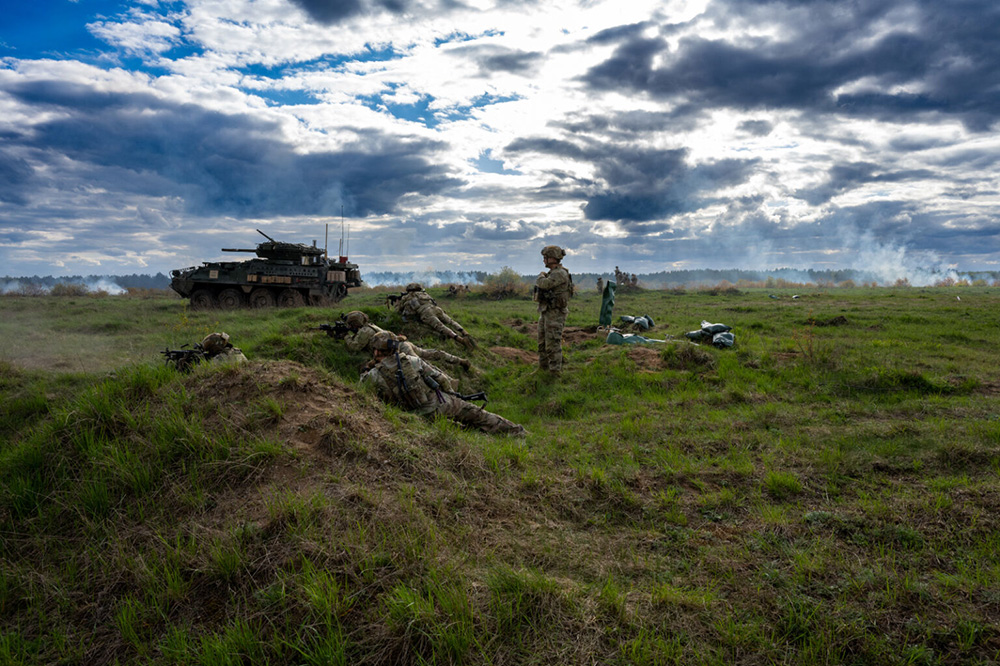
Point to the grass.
(826, 491)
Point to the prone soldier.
(409, 382)
(218, 349)
(418, 303)
(361, 333)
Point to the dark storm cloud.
(222, 163)
(637, 184)
(15, 172)
(845, 177)
(493, 58)
(629, 125)
(756, 127)
(949, 55)
(329, 12)
(618, 33)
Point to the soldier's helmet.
(384, 341)
(553, 252)
(215, 342)
(414, 286)
(356, 319)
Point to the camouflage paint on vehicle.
(282, 274)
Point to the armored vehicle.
(284, 274)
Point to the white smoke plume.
(425, 278)
(29, 288)
(889, 263)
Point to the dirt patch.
(572, 335)
(839, 320)
(515, 354)
(648, 358)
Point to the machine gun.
(392, 299)
(337, 329)
(184, 359)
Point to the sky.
(138, 137)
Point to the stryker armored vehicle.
(283, 274)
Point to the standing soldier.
(555, 288)
(600, 285)
(418, 303)
(408, 382)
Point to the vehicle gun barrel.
(237, 249)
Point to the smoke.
(24, 287)
(888, 263)
(425, 278)
(106, 285)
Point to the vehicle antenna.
(341, 246)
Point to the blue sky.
(138, 137)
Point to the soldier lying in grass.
(409, 382)
(417, 304)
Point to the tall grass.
(820, 493)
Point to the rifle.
(184, 359)
(392, 299)
(337, 329)
(480, 395)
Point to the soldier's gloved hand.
(400, 338)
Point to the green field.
(825, 492)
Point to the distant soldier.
(364, 332)
(634, 281)
(600, 285)
(408, 382)
(418, 304)
(218, 349)
(555, 288)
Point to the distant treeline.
(776, 277)
(134, 281)
(660, 280)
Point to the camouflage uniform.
(219, 350)
(364, 332)
(407, 381)
(418, 304)
(361, 339)
(554, 290)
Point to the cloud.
(756, 127)
(469, 133)
(491, 58)
(15, 172)
(819, 56)
(224, 162)
(634, 183)
(845, 177)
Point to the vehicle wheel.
(230, 299)
(261, 298)
(339, 292)
(289, 298)
(203, 299)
